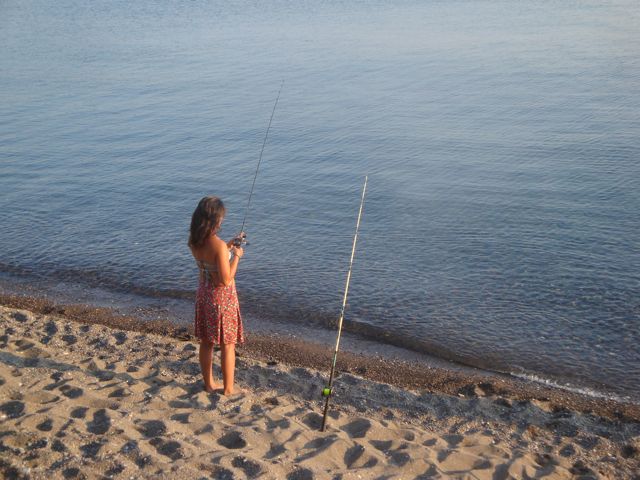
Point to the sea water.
(501, 140)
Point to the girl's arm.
(227, 269)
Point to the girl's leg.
(206, 365)
(228, 367)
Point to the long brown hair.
(205, 220)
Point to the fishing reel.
(240, 240)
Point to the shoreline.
(169, 314)
(80, 399)
(458, 380)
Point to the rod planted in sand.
(328, 391)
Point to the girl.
(217, 319)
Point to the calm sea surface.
(501, 139)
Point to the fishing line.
(328, 391)
(242, 235)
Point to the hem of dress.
(216, 342)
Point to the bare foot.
(213, 387)
(234, 391)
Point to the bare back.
(213, 256)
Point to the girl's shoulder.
(216, 243)
(210, 247)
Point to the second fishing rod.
(241, 238)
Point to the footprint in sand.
(71, 392)
(221, 473)
(382, 445)
(588, 443)
(443, 455)
(61, 431)
(50, 329)
(91, 449)
(453, 439)
(69, 339)
(300, 474)
(24, 345)
(562, 427)
(313, 420)
(152, 428)
(71, 472)
(278, 449)
(250, 468)
(104, 375)
(629, 451)
(275, 450)
(170, 448)
(12, 409)
(38, 444)
(567, 451)
(316, 447)
(206, 429)
(179, 404)
(432, 472)
(79, 412)
(397, 456)
(101, 422)
(115, 470)
(58, 446)
(143, 460)
(45, 426)
(181, 417)
(119, 393)
(120, 337)
(353, 454)
(282, 423)
(544, 459)
(400, 458)
(232, 440)
(20, 317)
(130, 446)
(358, 428)
(580, 469)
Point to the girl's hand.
(237, 240)
(237, 252)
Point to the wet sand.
(83, 399)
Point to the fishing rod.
(328, 390)
(242, 236)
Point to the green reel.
(326, 392)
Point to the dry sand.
(88, 401)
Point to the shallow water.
(501, 141)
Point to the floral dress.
(218, 318)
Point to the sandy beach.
(79, 399)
